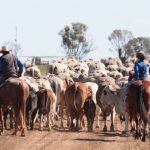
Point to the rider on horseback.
(140, 71)
(140, 67)
(8, 64)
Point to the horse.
(14, 92)
(139, 106)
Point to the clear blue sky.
(39, 22)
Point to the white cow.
(114, 99)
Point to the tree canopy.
(136, 44)
(119, 39)
(74, 40)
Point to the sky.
(39, 21)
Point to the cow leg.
(98, 110)
(88, 124)
(33, 118)
(68, 120)
(112, 121)
(144, 133)
(77, 124)
(52, 118)
(28, 114)
(82, 123)
(11, 117)
(68, 116)
(92, 121)
(72, 124)
(5, 118)
(61, 116)
(48, 122)
(105, 120)
(126, 123)
(41, 122)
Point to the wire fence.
(41, 59)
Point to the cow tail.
(140, 104)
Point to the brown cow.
(75, 97)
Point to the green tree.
(136, 44)
(119, 39)
(74, 40)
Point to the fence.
(42, 59)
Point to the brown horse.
(14, 92)
(139, 106)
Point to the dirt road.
(62, 139)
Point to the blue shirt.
(140, 69)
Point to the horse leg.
(2, 120)
(23, 118)
(137, 128)
(16, 121)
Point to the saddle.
(138, 83)
(5, 81)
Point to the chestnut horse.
(14, 92)
(139, 106)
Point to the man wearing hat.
(8, 64)
(140, 67)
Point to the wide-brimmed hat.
(140, 55)
(4, 49)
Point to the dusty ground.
(62, 139)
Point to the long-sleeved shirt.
(8, 65)
(140, 69)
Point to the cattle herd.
(74, 89)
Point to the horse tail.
(140, 104)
